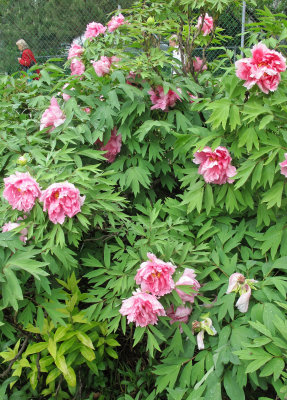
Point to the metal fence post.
(243, 25)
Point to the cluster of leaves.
(150, 199)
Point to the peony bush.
(143, 225)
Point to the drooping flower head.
(77, 67)
(75, 51)
(21, 191)
(197, 65)
(207, 25)
(113, 146)
(262, 69)
(155, 276)
(115, 22)
(201, 327)
(239, 284)
(52, 117)
(61, 200)
(163, 100)
(188, 278)
(283, 166)
(215, 166)
(9, 226)
(94, 29)
(142, 308)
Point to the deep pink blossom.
(155, 276)
(113, 146)
(163, 100)
(9, 226)
(142, 308)
(87, 110)
(94, 29)
(21, 191)
(61, 200)
(188, 278)
(102, 67)
(181, 314)
(53, 116)
(115, 22)
(75, 51)
(77, 67)
(207, 25)
(283, 166)
(262, 69)
(197, 64)
(215, 166)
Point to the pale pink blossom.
(262, 69)
(181, 314)
(207, 25)
(155, 276)
(142, 308)
(243, 301)
(66, 96)
(197, 64)
(75, 51)
(115, 22)
(201, 327)
(163, 100)
(102, 67)
(61, 200)
(9, 226)
(235, 281)
(192, 98)
(94, 29)
(52, 117)
(215, 166)
(283, 166)
(77, 67)
(21, 191)
(188, 278)
(113, 146)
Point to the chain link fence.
(49, 27)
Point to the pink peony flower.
(21, 191)
(188, 278)
(87, 110)
(235, 280)
(142, 308)
(9, 226)
(113, 147)
(75, 51)
(115, 22)
(102, 67)
(163, 100)
(207, 25)
(65, 96)
(61, 200)
(155, 276)
(94, 29)
(197, 63)
(53, 116)
(262, 69)
(215, 166)
(283, 166)
(77, 67)
(181, 314)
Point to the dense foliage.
(163, 199)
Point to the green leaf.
(275, 367)
(111, 352)
(232, 388)
(84, 338)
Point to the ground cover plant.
(143, 245)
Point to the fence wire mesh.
(49, 26)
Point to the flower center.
(156, 274)
(19, 190)
(56, 195)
